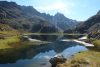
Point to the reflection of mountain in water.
(45, 37)
(54, 37)
(12, 55)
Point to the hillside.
(25, 18)
(90, 26)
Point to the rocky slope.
(90, 26)
(60, 21)
(64, 23)
(25, 18)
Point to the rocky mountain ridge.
(25, 17)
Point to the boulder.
(54, 61)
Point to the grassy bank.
(5, 43)
(89, 58)
(8, 37)
(10, 33)
(13, 39)
(83, 59)
(97, 44)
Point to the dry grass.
(8, 36)
(96, 42)
(83, 59)
(89, 58)
(5, 43)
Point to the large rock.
(54, 61)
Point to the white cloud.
(53, 6)
(58, 6)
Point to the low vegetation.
(5, 43)
(89, 58)
(8, 36)
(83, 59)
(96, 43)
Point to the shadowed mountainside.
(26, 18)
(90, 26)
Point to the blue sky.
(74, 9)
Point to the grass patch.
(96, 42)
(83, 59)
(9, 33)
(8, 36)
(89, 58)
(5, 43)
(92, 56)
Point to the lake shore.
(79, 41)
(87, 58)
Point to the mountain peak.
(59, 14)
(7, 3)
(32, 17)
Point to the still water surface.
(39, 56)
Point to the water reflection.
(45, 37)
(67, 53)
(38, 55)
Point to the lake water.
(39, 56)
